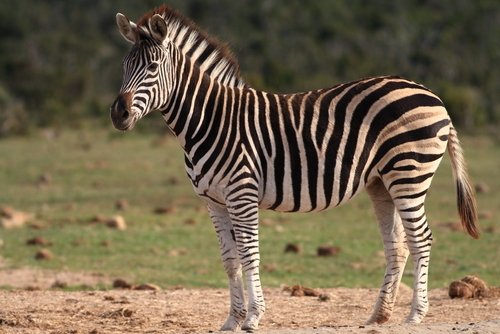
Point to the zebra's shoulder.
(212, 55)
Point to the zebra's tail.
(466, 198)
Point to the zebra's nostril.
(125, 114)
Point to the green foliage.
(89, 171)
(62, 59)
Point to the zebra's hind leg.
(229, 254)
(419, 240)
(395, 249)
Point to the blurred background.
(78, 196)
(60, 61)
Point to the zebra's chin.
(124, 126)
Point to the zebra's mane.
(213, 56)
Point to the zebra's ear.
(126, 27)
(158, 27)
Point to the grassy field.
(67, 180)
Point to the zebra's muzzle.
(121, 114)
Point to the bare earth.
(204, 310)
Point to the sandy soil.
(204, 310)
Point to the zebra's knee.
(233, 270)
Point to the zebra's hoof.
(251, 323)
(231, 324)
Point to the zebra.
(246, 150)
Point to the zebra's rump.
(327, 144)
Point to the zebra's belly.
(307, 199)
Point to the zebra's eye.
(152, 67)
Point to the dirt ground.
(33, 307)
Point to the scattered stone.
(165, 210)
(105, 243)
(485, 215)
(121, 312)
(190, 221)
(147, 286)
(300, 291)
(98, 219)
(44, 179)
(480, 287)
(10, 218)
(293, 248)
(459, 289)
(117, 222)
(490, 229)
(173, 180)
(482, 188)
(121, 284)
(38, 241)
(44, 254)
(469, 287)
(79, 242)
(267, 222)
(324, 297)
(270, 267)
(59, 285)
(37, 225)
(122, 205)
(328, 251)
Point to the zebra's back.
(328, 144)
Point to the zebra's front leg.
(395, 250)
(232, 266)
(244, 216)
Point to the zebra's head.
(147, 81)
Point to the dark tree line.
(60, 61)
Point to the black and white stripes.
(246, 149)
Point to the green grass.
(91, 170)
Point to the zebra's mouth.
(120, 112)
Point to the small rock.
(485, 215)
(267, 222)
(328, 250)
(38, 241)
(165, 210)
(97, 219)
(293, 248)
(173, 180)
(490, 229)
(270, 267)
(10, 218)
(122, 205)
(44, 254)
(105, 243)
(59, 285)
(44, 179)
(324, 297)
(482, 188)
(117, 222)
(147, 286)
(459, 289)
(299, 291)
(121, 284)
(480, 287)
(190, 221)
